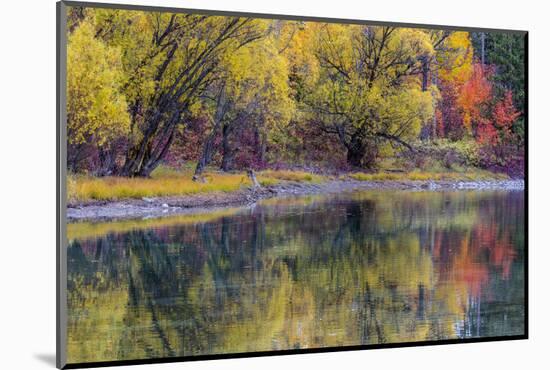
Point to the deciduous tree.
(170, 60)
(251, 89)
(368, 90)
(96, 109)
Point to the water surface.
(305, 272)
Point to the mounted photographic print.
(234, 184)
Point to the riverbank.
(151, 207)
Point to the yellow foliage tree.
(455, 58)
(170, 59)
(96, 109)
(251, 89)
(368, 91)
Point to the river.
(363, 267)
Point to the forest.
(209, 97)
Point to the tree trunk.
(482, 48)
(146, 155)
(425, 72)
(434, 102)
(355, 156)
(217, 121)
(161, 123)
(356, 153)
(420, 311)
(252, 178)
(425, 81)
(74, 157)
(206, 156)
(107, 164)
(263, 148)
(227, 158)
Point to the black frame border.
(61, 150)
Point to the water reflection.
(360, 268)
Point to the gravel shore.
(166, 206)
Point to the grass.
(163, 183)
(462, 175)
(167, 181)
(270, 177)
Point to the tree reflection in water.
(358, 268)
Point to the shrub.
(448, 153)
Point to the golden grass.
(286, 175)
(83, 188)
(166, 181)
(86, 230)
(467, 175)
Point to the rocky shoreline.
(190, 204)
